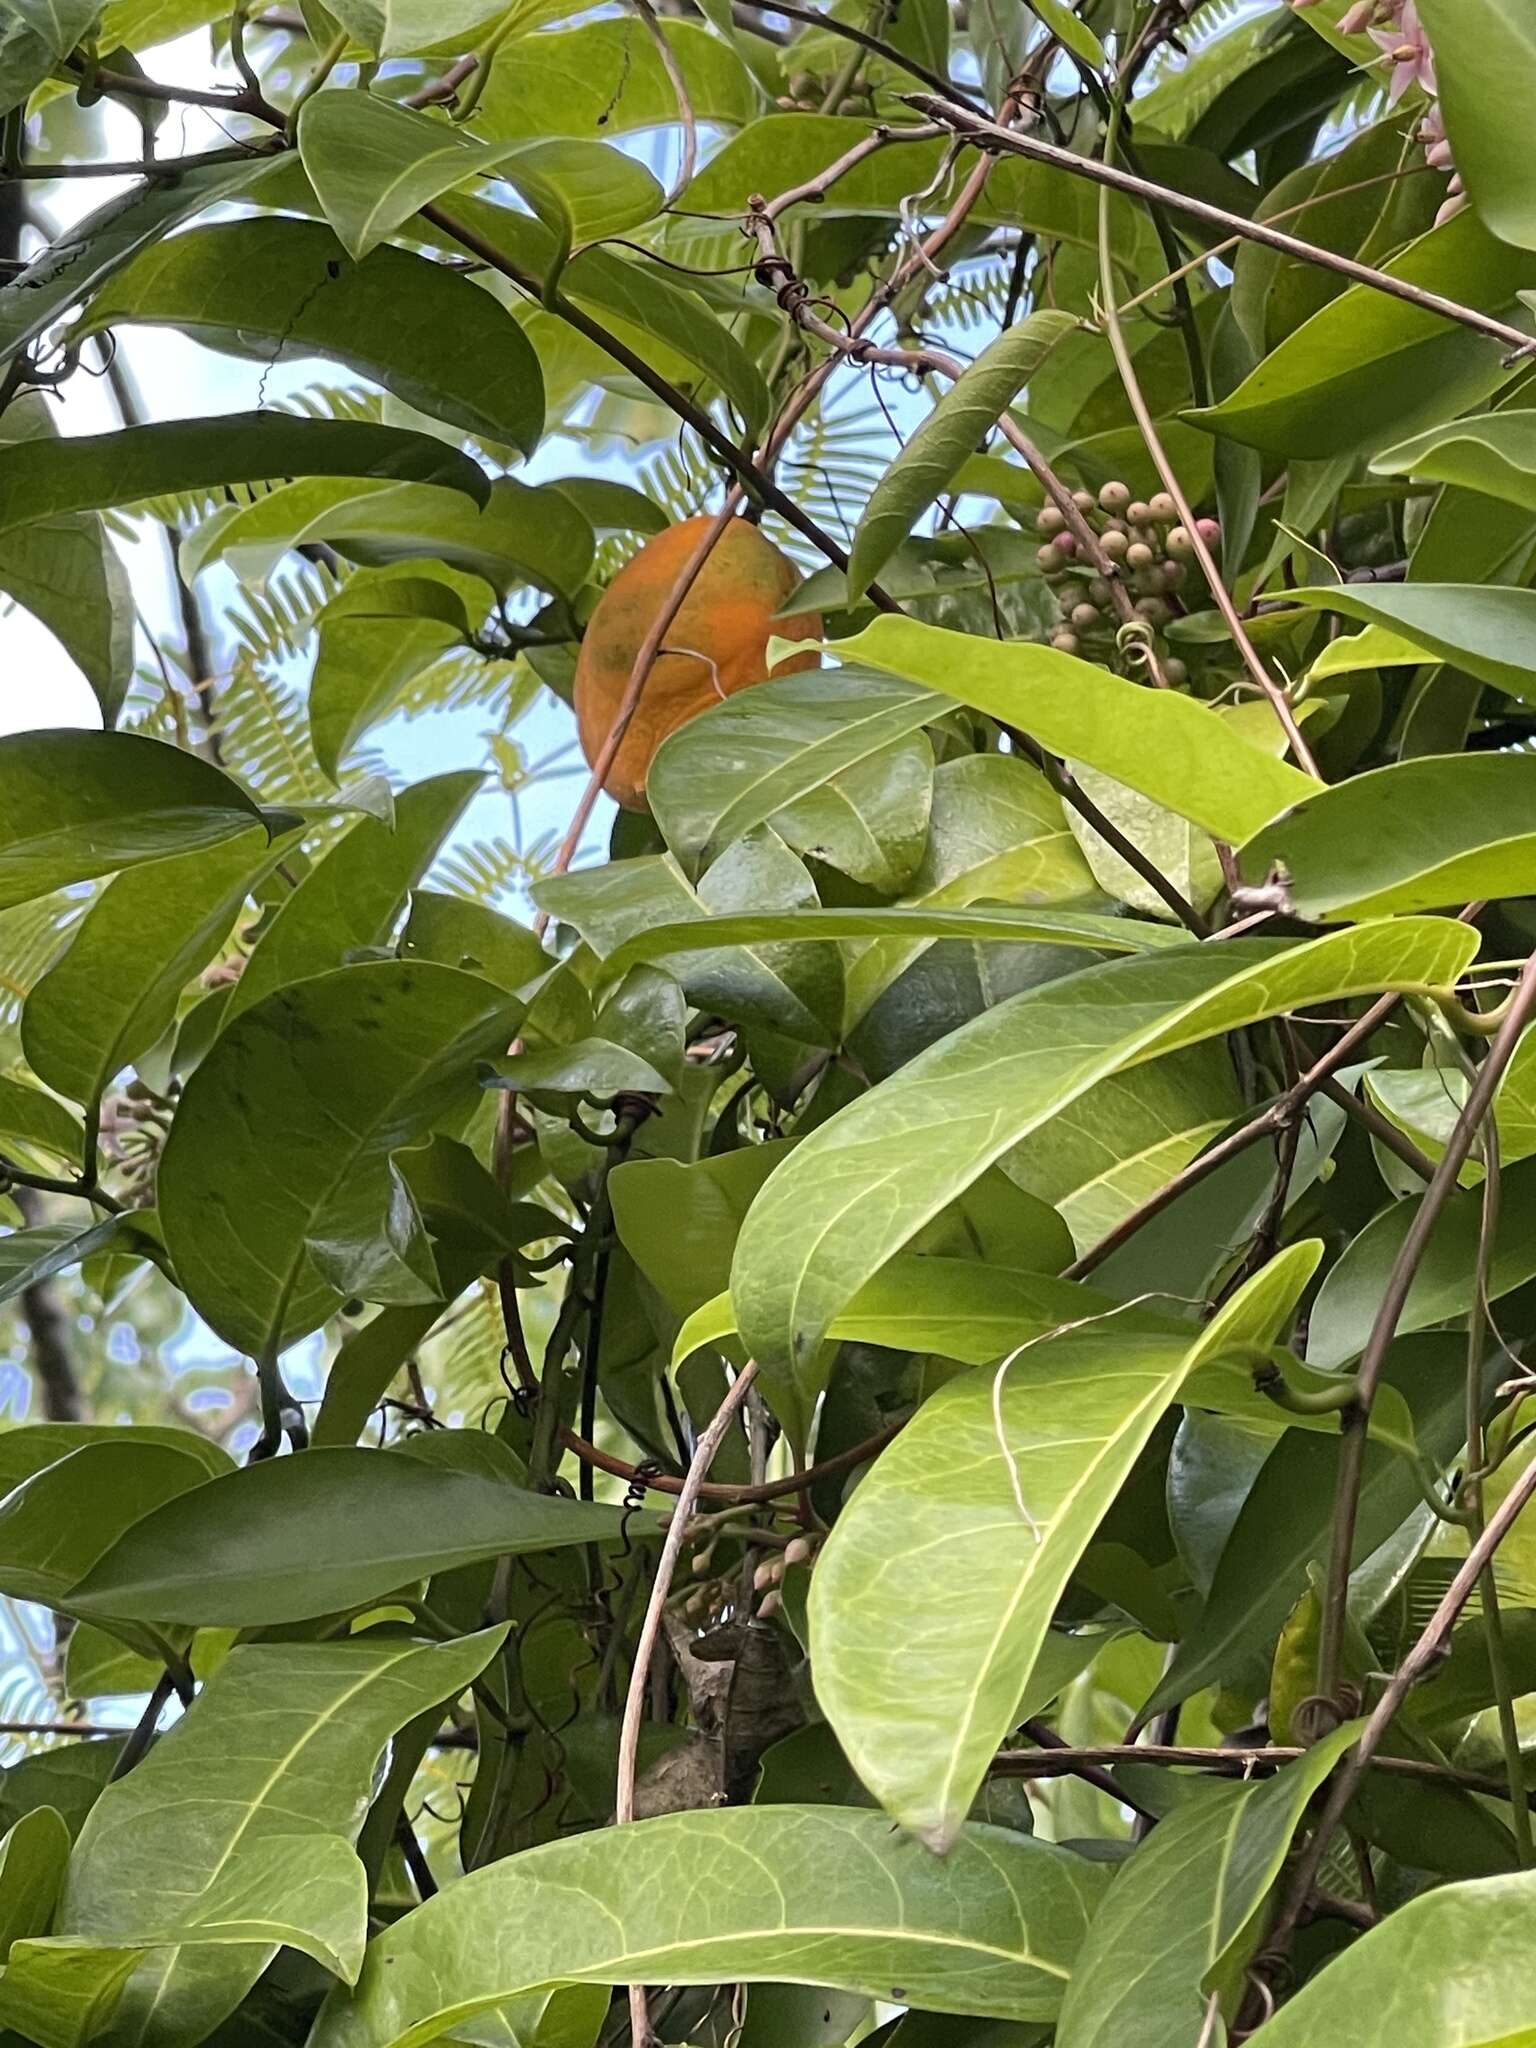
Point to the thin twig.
(1053, 1762)
(679, 85)
(650, 1629)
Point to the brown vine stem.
(1279, 702)
(872, 44)
(1394, 1297)
(650, 1628)
(1235, 1763)
(989, 135)
(1419, 1661)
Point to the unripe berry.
(1101, 592)
(1175, 674)
(1139, 556)
(1138, 512)
(1047, 560)
(1162, 508)
(1085, 617)
(1151, 582)
(1114, 497)
(1114, 541)
(1154, 611)
(1048, 520)
(1209, 531)
(1083, 500)
(1069, 595)
(1180, 546)
(1065, 642)
(1174, 575)
(1065, 545)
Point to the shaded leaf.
(1484, 630)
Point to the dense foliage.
(887, 1395)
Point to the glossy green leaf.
(57, 1523)
(1167, 746)
(349, 900)
(525, 534)
(234, 1834)
(28, 1256)
(1406, 1984)
(116, 987)
(1185, 1910)
(1493, 453)
(74, 805)
(33, 1446)
(793, 738)
(45, 479)
(1485, 70)
(296, 1537)
(283, 1136)
(864, 1182)
(1442, 1285)
(962, 419)
(1484, 630)
(1368, 368)
(1070, 31)
(811, 1894)
(33, 1855)
(424, 332)
(459, 933)
(971, 1524)
(1441, 830)
(399, 28)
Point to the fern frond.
(275, 622)
(1185, 88)
(484, 869)
(264, 734)
(333, 402)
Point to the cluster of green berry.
(1152, 553)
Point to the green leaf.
(58, 23)
(28, 1256)
(525, 534)
(292, 1538)
(1368, 368)
(283, 1136)
(78, 260)
(233, 1835)
(963, 418)
(400, 28)
(44, 479)
(74, 805)
(1443, 829)
(1442, 1285)
(864, 1182)
(56, 1524)
(33, 1856)
(36, 1445)
(374, 637)
(751, 756)
(1284, 1526)
(1169, 747)
(1070, 31)
(601, 78)
(373, 163)
(807, 1894)
(273, 285)
(1405, 1984)
(458, 933)
(1184, 1911)
(1485, 71)
(351, 898)
(36, 1119)
(1485, 631)
(933, 1595)
(1495, 453)
(115, 989)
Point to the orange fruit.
(717, 644)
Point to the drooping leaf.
(1443, 829)
(273, 285)
(116, 987)
(374, 637)
(234, 1835)
(997, 1485)
(36, 1119)
(74, 805)
(1485, 65)
(289, 1539)
(600, 79)
(283, 1136)
(44, 479)
(963, 417)
(33, 1855)
(990, 1929)
(1167, 746)
(1482, 629)
(1493, 453)
(351, 898)
(863, 1183)
(1186, 1909)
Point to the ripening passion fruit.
(717, 644)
